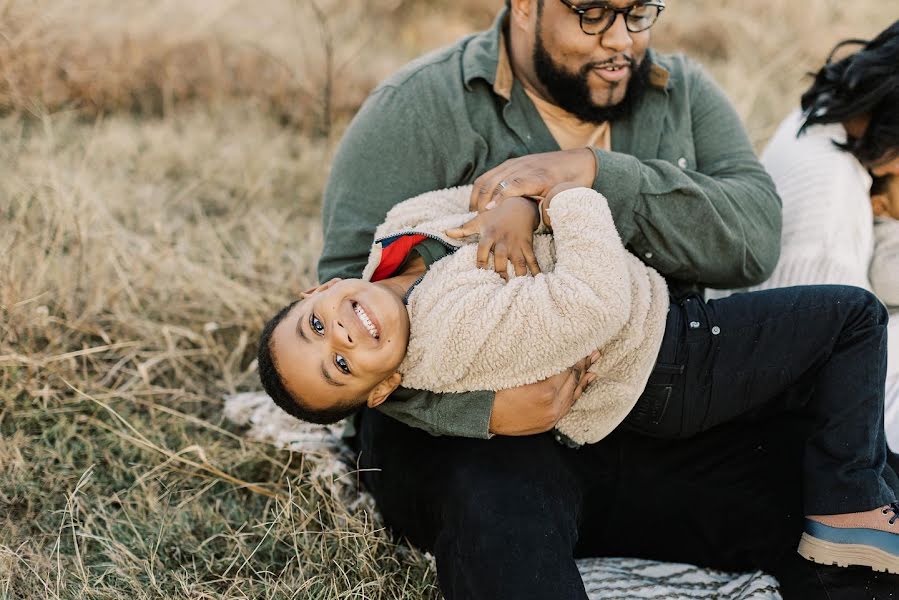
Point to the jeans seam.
(785, 315)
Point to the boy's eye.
(342, 364)
(316, 325)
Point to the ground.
(161, 167)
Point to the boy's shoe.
(876, 546)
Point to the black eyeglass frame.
(581, 11)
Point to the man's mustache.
(616, 61)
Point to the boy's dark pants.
(819, 351)
(505, 517)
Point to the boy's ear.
(880, 204)
(377, 396)
(319, 288)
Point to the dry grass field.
(161, 166)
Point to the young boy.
(665, 369)
(470, 329)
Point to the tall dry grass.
(762, 51)
(138, 263)
(160, 172)
(309, 64)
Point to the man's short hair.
(274, 386)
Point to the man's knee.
(876, 310)
(864, 302)
(495, 501)
(869, 316)
(853, 309)
(507, 538)
(510, 508)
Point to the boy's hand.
(536, 408)
(507, 230)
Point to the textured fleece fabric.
(827, 232)
(472, 330)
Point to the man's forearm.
(718, 230)
(462, 415)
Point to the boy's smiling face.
(342, 344)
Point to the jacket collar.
(481, 54)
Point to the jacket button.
(682, 162)
(694, 324)
(648, 255)
(716, 330)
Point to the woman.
(822, 160)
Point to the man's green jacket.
(686, 191)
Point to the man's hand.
(508, 231)
(533, 175)
(535, 408)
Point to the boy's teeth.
(365, 320)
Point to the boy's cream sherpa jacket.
(471, 330)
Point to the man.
(564, 91)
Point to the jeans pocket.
(651, 415)
(668, 369)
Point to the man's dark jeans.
(506, 517)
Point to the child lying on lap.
(472, 330)
(664, 368)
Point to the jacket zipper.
(427, 235)
(413, 232)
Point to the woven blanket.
(604, 578)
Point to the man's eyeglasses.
(597, 19)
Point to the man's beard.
(571, 92)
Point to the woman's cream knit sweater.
(829, 233)
(471, 330)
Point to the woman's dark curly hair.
(863, 83)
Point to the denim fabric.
(817, 351)
(506, 517)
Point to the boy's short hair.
(274, 386)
